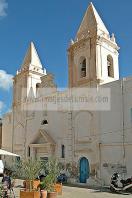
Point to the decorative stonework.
(47, 81)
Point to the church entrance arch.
(84, 170)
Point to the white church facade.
(98, 142)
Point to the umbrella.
(3, 152)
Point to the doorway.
(84, 170)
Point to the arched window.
(44, 122)
(37, 85)
(82, 67)
(37, 89)
(110, 66)
(62, 151)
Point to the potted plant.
(43, 190)
(29, 170)
(51, 178)
(50, 186)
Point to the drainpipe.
(100, 159)
(12, 129)
(101, 180)
(123, 124)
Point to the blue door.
(84, 170)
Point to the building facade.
(98, 142)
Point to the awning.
(3, 152)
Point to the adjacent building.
(0, 132)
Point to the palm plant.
(53, 171)
(29, 169)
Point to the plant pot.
(27, 194)
(43, 194)
(34, 184)
(52, 195)
(58, 188)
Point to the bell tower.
(28, 78)
(93, 55)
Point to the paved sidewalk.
(73, 192)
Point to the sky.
(51, 25)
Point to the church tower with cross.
(93, 55)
